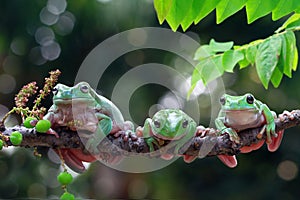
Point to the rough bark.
(124, 143)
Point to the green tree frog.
(81, 108)
(243, 112)
(169, 125)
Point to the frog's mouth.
(245, 110)
(172, 137)
(72, 100)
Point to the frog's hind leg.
(276, 141)
(71, 160)
(252, 147)
(229, 161)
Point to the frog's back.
(110, 108)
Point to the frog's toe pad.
(229, 161)
(188, 158)
(167, 156)
(274, 145)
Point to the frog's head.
(170, 124)
(244, 102)
(81, 92)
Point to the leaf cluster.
(273, 57)
(185, 13)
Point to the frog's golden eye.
(250, 99)
(84, 89)
(156, 124)
(222, 100)
(185, 123)
(54, 91)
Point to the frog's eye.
(250, 99)
(156, 124)
(223, 100)
(185, 123)
(54, 91)
(84, 89)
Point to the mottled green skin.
(81, 108)
(242, 112)
(169, 124)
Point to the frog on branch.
(81, 108)
(239, 113)
(168, 125)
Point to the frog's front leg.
(146, 133)
(223, 129)
(270, 122)
(191, 132)
(104, 127)
(50, 116)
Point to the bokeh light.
(48, 18)
(137, 189)
(37, 190)
(7, 83)
(65, 23)
(287, 170)
(35, 56)
(169, 100)
(44, 35)
(51, 50)
(12, 65)
(18, 46)
(138, 37)
(56, 6)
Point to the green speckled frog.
(170, 125)
(81, 108)
(243, 112)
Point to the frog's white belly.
(241, 120)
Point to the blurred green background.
(38, 36)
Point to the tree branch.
(206, 139)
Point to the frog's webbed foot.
(270, 130)
(234, 137)
(150, 141)
(229, 161)
(274, 145)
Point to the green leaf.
(244, 62)
(203, 52)
(162, 8)
(284, 7)
(205, 7)
(288, 52)
(177, 12)
(267, 58)
(295, 63)
(296, 6)
(227, 8)
(278, 71)
(209, 69)
(289, 22)
(259, 8)
(230, 59)
(192, 14)
(251, 53)
(220, 46)
(196, 76)
(276, 77)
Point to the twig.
(209, 143)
